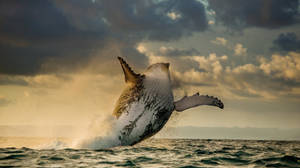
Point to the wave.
(161, 153)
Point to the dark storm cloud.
(36, 32)
(32, 20)
(271, 14)
(149, 17)
(286, 42)
(46, 36)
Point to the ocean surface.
(160, 153)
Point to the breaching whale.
(147, 103)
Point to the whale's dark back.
(132, 92)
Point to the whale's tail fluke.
(196, 100)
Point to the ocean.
(181, 153)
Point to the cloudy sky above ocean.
(58, 58)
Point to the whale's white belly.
(141, 120)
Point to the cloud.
(4, 101)
(268, 78)
(175, 52)
(64, 36)
(174, 15)
(219, 41)
(256, 13)
(286, 42)
(237, 48)
(211, 22)
(210, 64)
(178, 82)
(204, 73)
(48, 36)
(177, 57)
(282, 67)
(37, 81)
(240, 50)
(12, 80)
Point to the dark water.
(163, 153)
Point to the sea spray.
(102, 133)
(55, 144)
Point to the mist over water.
(102, 132)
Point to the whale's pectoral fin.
(196, 100)
(130, 75)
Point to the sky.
(58, 59)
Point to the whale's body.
(147, 103)
(144, 108)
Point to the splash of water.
(102, 133)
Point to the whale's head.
(159, 71)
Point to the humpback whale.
(147, 103)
